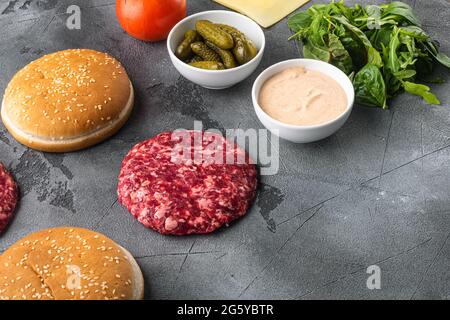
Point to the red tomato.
(150, 20)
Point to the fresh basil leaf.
(299, 21)
(354, 47)
(370, 88)
(312, 51)
(339, 55)
(357, 32)
(381, 37)
(405, 74)
(400, 12)
(415, 32)
(317, 9)
(374, 57)
(433, 48)
(422, 91)
(349, 13)
(443, 59)
(392, 62)
(319, 28)
(393, 85)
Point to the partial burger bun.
(41, 267)
(67, 101)
(138, 278)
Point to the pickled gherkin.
(184, 50)
(208, 65)
(244, 50)
(203, 51)
(226, 56)
(211, 32)
(195, 58)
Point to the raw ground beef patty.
(175, 194)
(8, 197)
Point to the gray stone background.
(377, 192)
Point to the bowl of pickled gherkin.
(216, 49)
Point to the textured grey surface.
(377, 192)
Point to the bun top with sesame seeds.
(69, 264)
(67, 100)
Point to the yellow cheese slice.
(264, 12)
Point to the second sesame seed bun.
(67, 101)
(69, 264)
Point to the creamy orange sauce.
(302, 97)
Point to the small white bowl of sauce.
(303, 100)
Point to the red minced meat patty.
(175, 195)
(8, 197)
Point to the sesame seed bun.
(69, 264)
(67, 101)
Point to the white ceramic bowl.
(221, 79)
(303, 134)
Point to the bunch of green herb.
(383, 49)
